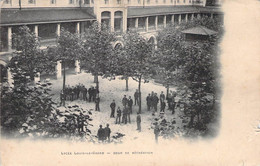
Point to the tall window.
(171, 1)
(156, 1)
(86, 2)
(53, 1)
(184, 1)
(71, 1)
(148, 1)
(118, 1)
(139, 1)
(178, 1)
(31, 1)
(128, 1)
(106, 1)
(164, 1)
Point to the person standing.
(138, 121)
(97, 100)
(118, 115)
(124, 118)
(148, 102)
(156, 132)
(90, 94)
(113, 107)
(130, 104)
(100, 133)
(162, 97)
(136, 96)
(128, 114)
(124, 101)
(163, 106)
(155, 102)
(107, 133)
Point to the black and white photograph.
(119, 76)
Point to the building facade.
(46, 17)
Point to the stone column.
(36, 30)
(146, 24)
(179, 18)
(9, 38)
(164, 21)
(156, 22)
(58, 30)
(78, 27)
(192, 16)
(124, 20)
(112, 21)
(37, 78)
(59, 69)
(77, 68)
(172, 19)
(186, 17)
(136, 22)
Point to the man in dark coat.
(100, 133)
(80, 122)
(90, 94)
(136, 96)
(130, 104)
(138, 121)
(163, 106)
(148, 102)
(107, 133)
(113, 107)
(162, 97)
(97, 100)
(118, 115)
(124, 101)
(124, 118)
(128, 114)
(155, 102)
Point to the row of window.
(54, 1)
(148, 1)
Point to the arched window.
(105, 18)
(118, 46)
(118, 21)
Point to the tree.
(97, 49)
(192, 67)
(68, 48)
(28, 110)
(28, 57)
(136, 59)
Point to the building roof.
(199, 30)
(44, 15)
(162, 10)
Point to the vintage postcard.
(130, 82)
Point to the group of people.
(104, 133)
(152, 101)
(127, 110)
(71, 93)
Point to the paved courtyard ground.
(115, 89)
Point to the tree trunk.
(167, 91)
(95, 78)
(126, 84)
(64, 76)
(139, 90)
(96, 81)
